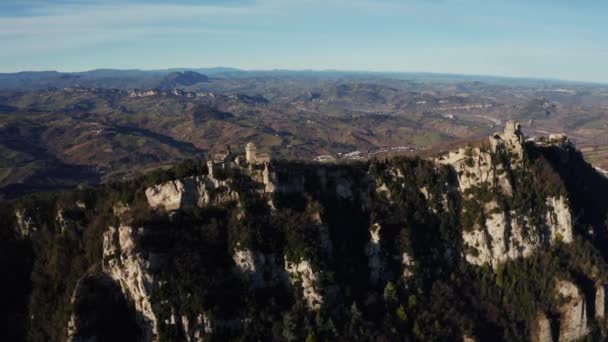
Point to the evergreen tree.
(290, 327)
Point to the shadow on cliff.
(101, 312)
(585, 187)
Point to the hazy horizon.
(523, 39)
(380, 73)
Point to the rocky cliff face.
(475, 167)
(486, 176)
(492, 244)
(187, 193)
(570, 322)
(503, 235)
(573, 313)
(374, 254)
(129, 266)
(269, 248)
(600, 301)
(559, 220)
(302, 274)
(262, 270)
(25, 224)
(98, 303)
(541, 329)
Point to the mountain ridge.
(245, 247)
(9, 80)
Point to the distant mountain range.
(106, 78)
(182, 77)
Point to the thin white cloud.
(131, 15)
(74, 25)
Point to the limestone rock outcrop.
(474, 167)
(190, 192)
(303, 273)
(374, 254)
(263, 270)
(573, 313)
(490, 243)
(61, 219)
(468, 338)
(74, 324)
(197, 327)
(503, 234)
(541, 329)
(559, 220)
(408, 265)
(193, 330)
(383, 190)
(124, 262)
(25, 224)
(573, 322)
(600, 301)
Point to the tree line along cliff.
(504, 240)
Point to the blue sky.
(534, 38)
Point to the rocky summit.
(503, 239)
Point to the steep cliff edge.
(190, 192)
(124, 262)
(573, 313)
(509, 213)
(471, 243)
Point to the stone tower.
(512, 139)
(513, 134)
(512, 128)
(250, 153)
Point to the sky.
(559, 39)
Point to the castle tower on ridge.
(512, 129)
(250, 153)
(512, 139)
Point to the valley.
(107, 130)
(303, 171)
